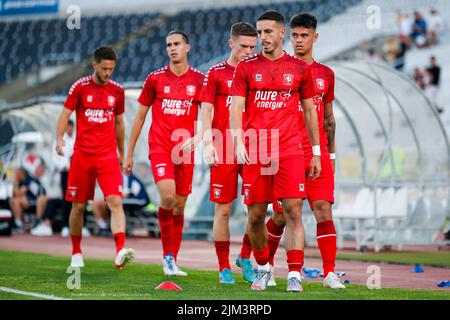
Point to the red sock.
(177, 234)
(119, 239)
(246, 249)
(165, 218)
(295, 260)
(275, 233)
(223, 253)
(76, 244)
(261, 255)
(326, 239)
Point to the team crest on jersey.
(230, 82)
(217, 193)
(166, 89)
(89, 98)
(288, 79)
(190, 90)
(161, 171)
(111, 101)
(302, 187)
(320, 83)
(258, 77)
(246, 193)
(73, 192)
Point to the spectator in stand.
(28, 192)
(419, 30)
(394, 52)
(434, 75)
(419, 78)
(31, 160)
(436, 27)
(404, 23)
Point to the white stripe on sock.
(327, 235)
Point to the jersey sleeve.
(306, 89)
(148, 92)
(198, 92)
(239, 86)
(74, 97)
(209, 88)
(120, 108)
(329, 96)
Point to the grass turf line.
(46, 274)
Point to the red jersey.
(96, 107)
(175, 101)
(273, 90)
(216, 90)
(323, 78)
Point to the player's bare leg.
(326, 240)
(167, 193)
(76, 226)
(221, 232)
(118, 228)
(257, 232)
(294, 242)
(275, 227)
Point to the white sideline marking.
(26, 293)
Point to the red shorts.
(287, 182)
(224, 182)
(321, 188)
(163, 168)
(85, 169)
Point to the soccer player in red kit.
(216, 99)
(270, 85)
(99, 105)
(320, 192)
(173, 92)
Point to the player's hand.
(316, 167)
(121, 161)
(60, 143)
(210, 154)
(332, 164)
(189, 145)
(241, 154)
(127, 166)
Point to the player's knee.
(256, 220)
(322, 211)
(114, 202)
(168, 200)
(78, 208)
(278, 219)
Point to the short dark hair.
(183, 35)
(243, 29)
(272, 15)
(70, 123)
(104, 53)
(304, 20)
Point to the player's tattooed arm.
(61, 127)
(329, 124)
